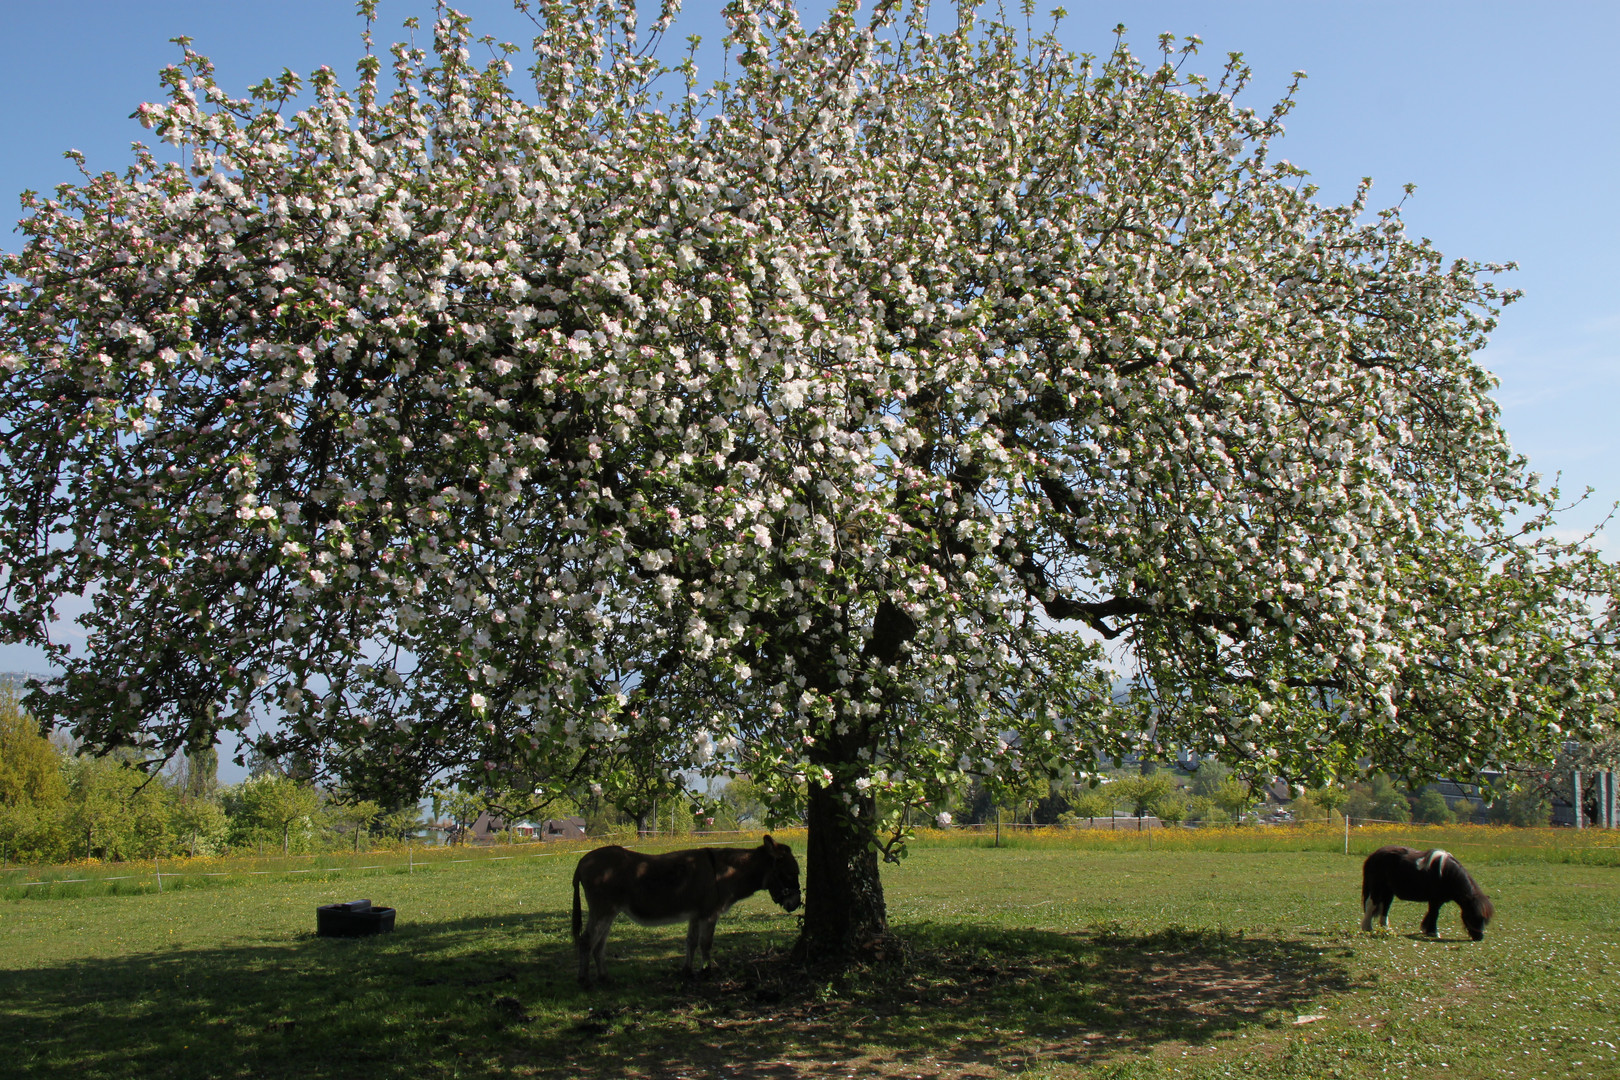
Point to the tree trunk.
(286, 839)
(844, 913)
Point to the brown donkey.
(695, 886)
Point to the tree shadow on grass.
(966, 1001)
(416, 1002)
(496, 996)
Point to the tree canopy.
(819, 423)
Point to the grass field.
(1064, 957)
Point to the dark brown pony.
(695, 886)
(1429, 877)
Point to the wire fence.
(410, 859)
(415, 858)
(1545, 835)
(159, 875)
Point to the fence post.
(410, 853)
(157, 873)
(1347, 834)
(1580, 818)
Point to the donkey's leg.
(593, 943)
(694, 930)
(583, 946)
(706, 941)
(1369, 911)
(1431, 921)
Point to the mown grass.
(1040, 959)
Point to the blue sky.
(1503, 114)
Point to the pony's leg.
(1431, 921)
(1375, 905)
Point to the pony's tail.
(578, 919)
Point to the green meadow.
(1235, 953)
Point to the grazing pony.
(695, 886)
(1429, 877)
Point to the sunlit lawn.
(1054, 958)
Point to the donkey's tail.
(578, 919)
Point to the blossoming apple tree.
(823, 423)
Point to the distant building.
(489, 829)
(19, 680)
(568, 828)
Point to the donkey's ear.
(769, 844)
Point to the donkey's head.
(781, 874)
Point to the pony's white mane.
(1435, 859)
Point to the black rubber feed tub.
(357, 918)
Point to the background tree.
(1327, 798)
(1092, 802)
(199, 823)
(30, 768)
(357, 816)
(461, 808)
(400, 822)
(1021, 795)
(1141, 793)
(1432, 808)
(271, 805)
(195, 774)
(115, 810)
(796, 427)
(1208, 778)
(748, 805)
(1234, 796)
(33, 794)
(1381, 799)
(1522, 804)
(1597, 753)
(1172, 807)
(1202, 808)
